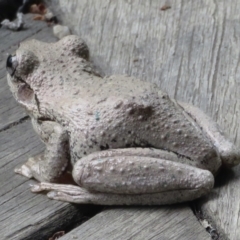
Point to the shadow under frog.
(127, 141)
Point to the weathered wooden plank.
(24, 215)
(191, 51)
(221, 207)
(141, 223)
(11, 38)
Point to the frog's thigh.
(49, 165)
(140, 179)
(228, 152)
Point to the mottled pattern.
(122, 135)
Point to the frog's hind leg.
(75, 194)
(229, 154)
(112, 177)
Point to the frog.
(122, 140)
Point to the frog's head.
(37, 66)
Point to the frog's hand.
(109, 178)
(50, 165)
(229, 154)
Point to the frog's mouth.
(21, 90)
(25, 96)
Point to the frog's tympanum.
(126, 140)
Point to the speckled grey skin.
(127, 141)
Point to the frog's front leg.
(110, 178)
(50, 165)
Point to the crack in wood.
(21, 120)
(204, 221)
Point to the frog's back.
(122, 112)
(92, 92)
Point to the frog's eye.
(11, 64)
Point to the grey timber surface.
(191, 51)
(24, 215)
(155, 223)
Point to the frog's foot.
(24, 170)
(44, 186)
(64, 192)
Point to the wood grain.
(175, 222)
(191, 51)
(24, 215)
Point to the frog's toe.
(80, 198)
(28, 167)
(53, 195)
(60, 196)
(24, 170)
(36, 188)
(66, 188)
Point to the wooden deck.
(191, 51)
